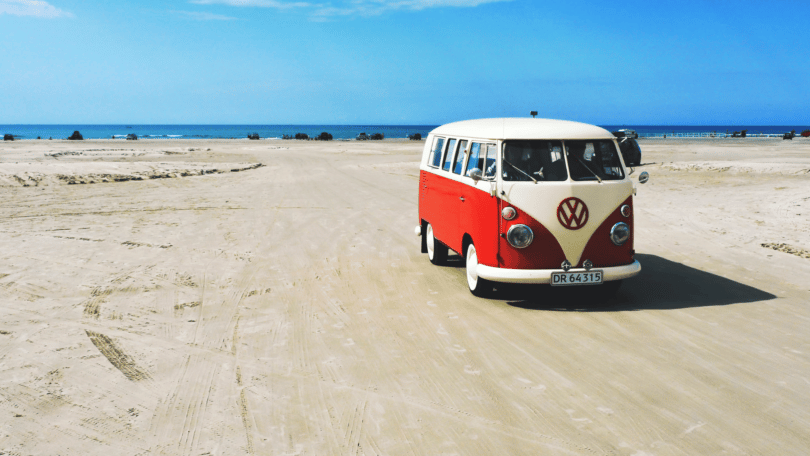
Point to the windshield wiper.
(519, 170)
(589, 169)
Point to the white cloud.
(35, 8)
(202, 16)
(351, 7)
(255, 3)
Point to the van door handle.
(461, 198)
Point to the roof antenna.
(534, 114)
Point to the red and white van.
(528, 201)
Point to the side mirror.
(476, 174)
(643, 177)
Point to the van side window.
(476, 159)
(491, 160)
(462, 153)
(448, 157)
(436, 152)
(482, 156)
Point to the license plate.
(560, 279)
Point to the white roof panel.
(522, 128)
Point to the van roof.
(522, 128)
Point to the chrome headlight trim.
(625, 210)
(519, 236)
(620, 233)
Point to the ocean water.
(706, 130)
(337, 131)
(208, 131)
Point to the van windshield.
(543, 160)
(533, 160)
(591, 158)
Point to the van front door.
(480, 210)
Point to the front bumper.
(544, 275)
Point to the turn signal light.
(509, 213)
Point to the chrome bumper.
(544, 275)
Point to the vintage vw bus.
(528, 201)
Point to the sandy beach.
(227, 297)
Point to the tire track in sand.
(117, 357)
(178, 420)
(182, 419)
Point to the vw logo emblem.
(572, 213)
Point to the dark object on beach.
(377, 136)
(286, 137)
(8, 137)
(631, 152)
(788, 136)
(736, 134)
(132, 137)
(324, 136)
(742, 133)
(39, 137)
(50, 138)
(253, 136)
(301, 136)
(362, 136)
(415, 137)
(76, 136)
(625, 133)
(806, 134)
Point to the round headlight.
(509, 213)
(625, 210)
(519, 236)
(620, 233)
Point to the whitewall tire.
(478, 286)
(437, 252)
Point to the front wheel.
(478, 286)
(437, 252)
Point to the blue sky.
(404, 61)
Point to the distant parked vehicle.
(806, 134)
(362, 137)
(377, 136)
(132, 137)
(324, 136)
(8, 137)
(625, 133)
(415, 137)
(253, 136)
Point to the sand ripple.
(37, 173)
